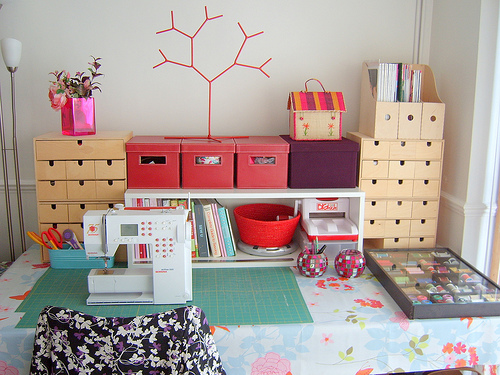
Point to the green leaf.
(362, 325)
(341, 355)
(424, 345)
(349, 358)
(411, 357)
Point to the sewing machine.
(168, 278)
(327, 219)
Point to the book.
(395, 82)
(194, 241)
(218, 227)
(226, 230)
(201, 230)
(213, 239)
(231, 230)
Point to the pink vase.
(78, 117)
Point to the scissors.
(51, 238)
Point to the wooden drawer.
(399, 209)
(423, 227)
(80, 170)
(374, 228)
(410, 120)
(374, 168)
(52, 213)
(375, 209)
(76, 211)
(375, 149)
(51, 190)
(396, 243)
(397, 228)
(50, 170)
(374, 188)
(401, 169)
(424, 209)
(82, 190)
(400, 188)
(429, 169)
(426, 188)
(110, 189)
(110, 169)
(425, 242)
(403, 150)
(429, 150)
(79, 149)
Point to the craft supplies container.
(261, 162)
(207, 163)
(153, 162)
(322, 164)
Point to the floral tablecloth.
(357, 329)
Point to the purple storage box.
(322, 164)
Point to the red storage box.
(153, 162)
(261, 162)
(207, 163)
(322, 164)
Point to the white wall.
(325, 39)
(462, 54)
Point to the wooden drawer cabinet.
(402, 182)
(78, 173)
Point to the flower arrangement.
(79, 86)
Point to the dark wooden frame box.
(434, 283)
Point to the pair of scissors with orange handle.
(50, 238)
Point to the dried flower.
(79, 86)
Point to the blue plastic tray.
(68, 258)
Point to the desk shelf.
(232, 198)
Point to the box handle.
(317, 80)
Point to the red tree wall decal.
(191, 65)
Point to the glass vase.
(312, 265)
(78, 116)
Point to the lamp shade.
(11, 52)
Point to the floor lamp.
(11, 52)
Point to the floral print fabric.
(178, 341)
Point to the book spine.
(226, 233)
(194, 242)
(231, 231)
(218, 227)
(201, 230)
(211, 230)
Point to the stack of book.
(213, 233)
(159, 202)
(395, 82)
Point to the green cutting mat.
(228, 296)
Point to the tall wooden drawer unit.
(402, 182)
(75, 174)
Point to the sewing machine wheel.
(268, 251)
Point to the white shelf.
(233, 197)
(245, 193)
